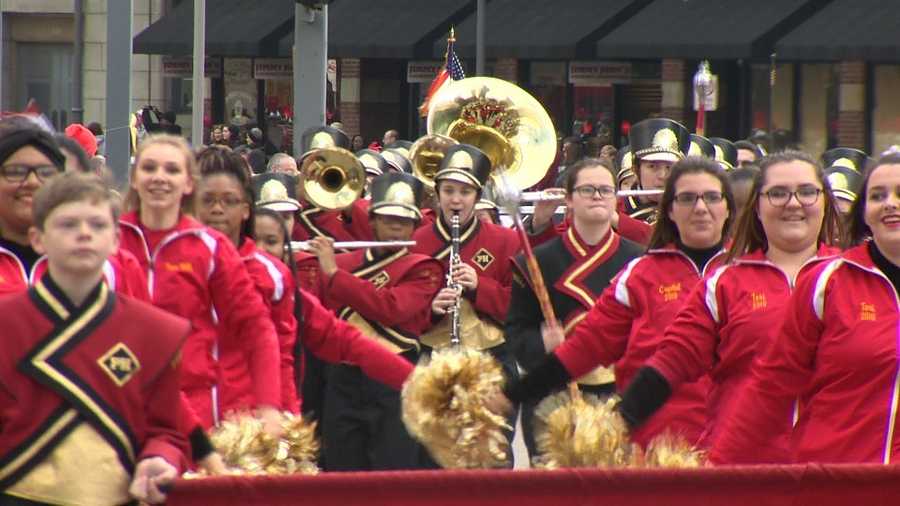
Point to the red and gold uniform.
(101, 382)
(487, 248)
(389, 300)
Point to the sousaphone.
(503, 120)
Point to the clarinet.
(454, 264)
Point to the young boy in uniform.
(99, 370)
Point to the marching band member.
(341, 225)
(484, 272)
(576, 267)
(656, 144)
(196, 272)
(99, 370)
(837, 348)
(385, 293)
(788, 227)
(626, 324)
(224, 203)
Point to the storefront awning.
(233, 28)
(391, 28)
(560, 29)
(846, 30)
(696, 29)
(265, 28)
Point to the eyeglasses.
(806, 195)
(18, 173)
(227, 202)
(587, 191)
(690, 198)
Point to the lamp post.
(702, 89)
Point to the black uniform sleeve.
(523, 325)
(549, 376)
(646, 393)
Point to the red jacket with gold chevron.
(838, 348)
(100, 381)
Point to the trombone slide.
(304, 245)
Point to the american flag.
(451, 71)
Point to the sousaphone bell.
(333, 178)
(506, 122)
(426, 155)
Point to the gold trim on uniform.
(83, 449)
(119, 363)
(44, 437)
(483, 259)
(40, 361)
(587, 264)
(445, 235)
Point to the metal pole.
(118, 89)
(77, 63)
(480, 15)
(198, 76)
(310, 68)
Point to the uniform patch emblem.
(119, 363)
(381, 279)
(483, 258)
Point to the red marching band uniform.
(101, 381)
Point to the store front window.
(777, 102)
(818, 107)
(886, 113)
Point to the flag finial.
(452, 37)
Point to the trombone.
(333, 178)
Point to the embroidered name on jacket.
(758, 301)
(178, 267)
(483, 258)
(670, 292)
(866, 311)
(119, 363)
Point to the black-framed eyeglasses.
(806, 195)
(587, 191)
(18, 172)
(227, 202)
(691, 198)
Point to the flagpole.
(479, 37)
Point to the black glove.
(646, 393)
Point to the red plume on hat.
(84, 137)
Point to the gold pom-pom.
(669, 450)
(572, 430)
(444, 408)
(247, 449)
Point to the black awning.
(233, 28)
(390, 28)
(846, 30)
(714, 29)
(561, 29)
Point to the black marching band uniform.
(575, 275)
(388, 298)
